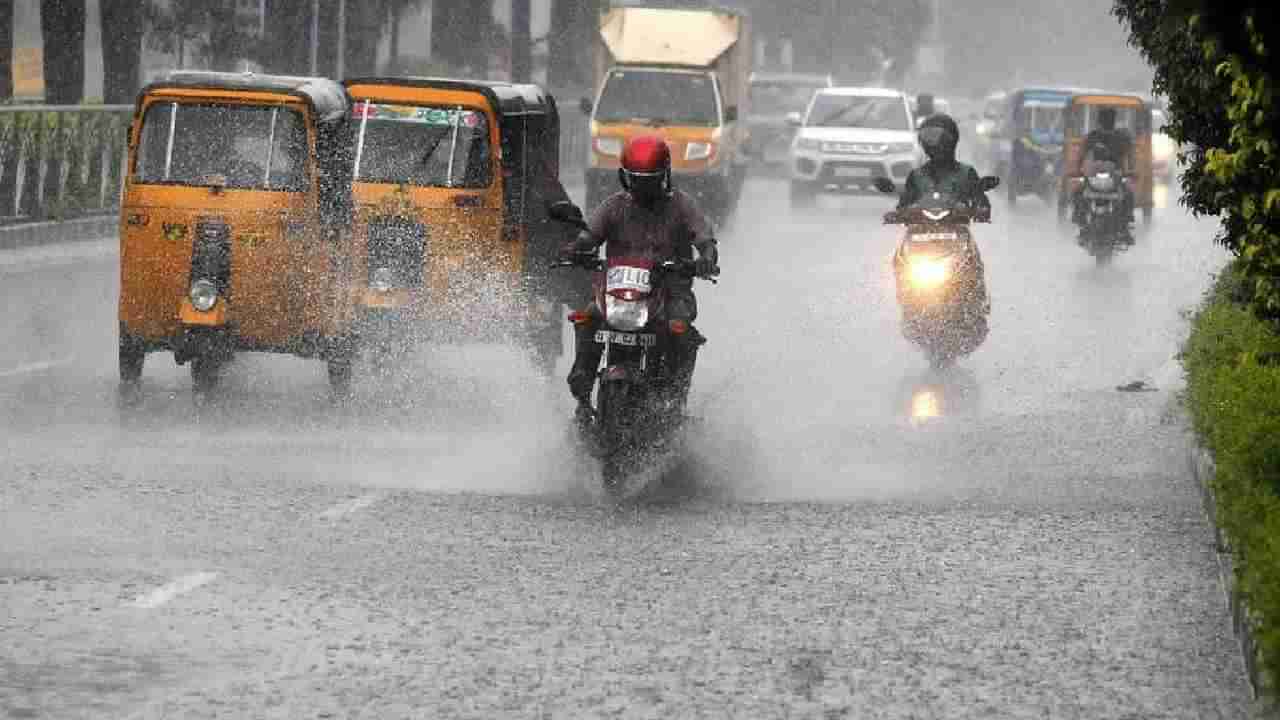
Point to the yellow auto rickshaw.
(1133, 115)
(234, 208)
(445, 180)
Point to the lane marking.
(169, 591)
(351, 506)
(35, 367)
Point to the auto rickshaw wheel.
(204, 373)
(132, 358)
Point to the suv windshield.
(879, 113)
(250, 147)
(659, 97)
(422, 145)
(781, 98)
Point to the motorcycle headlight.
(382, 280)
(805, 143)
(928, 272)
(1102, 182)
(627, 315)
(698, 151)
(204, 295)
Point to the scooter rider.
(653, 220)
(939, 136)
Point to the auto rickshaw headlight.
(204, 295)
(382, 280)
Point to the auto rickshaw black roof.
(507, 99)
(327, 98)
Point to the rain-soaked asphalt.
(1036, 548)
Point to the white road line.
(34, 367)
(350, 506)
(169, 591)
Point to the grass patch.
(1233, 387)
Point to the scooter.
(941, 282)
(1104, 224)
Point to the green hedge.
(1233, 385)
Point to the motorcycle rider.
(1107, 144)
(651, 219)
(943, 173)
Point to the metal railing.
(61, 161)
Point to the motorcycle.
(639, 404)
(941, 284)
(1103, 221)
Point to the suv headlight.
(204, 295)
(698, 151)
(805, 143)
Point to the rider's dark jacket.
(954, 178)
(1117, 143)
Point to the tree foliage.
(1212, 61)
(62, 25)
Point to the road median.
(27, 235)
(1232, 360)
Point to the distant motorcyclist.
(939, 135)
(1106, 144)
(652, 220)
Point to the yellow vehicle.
(1133, 115)
(446, 175)
(231, 224)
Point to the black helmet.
(939, 136)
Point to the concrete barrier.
(24, 235)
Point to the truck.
(682, 74)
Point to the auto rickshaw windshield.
(429, 146)
(251, 147)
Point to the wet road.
(852, 536)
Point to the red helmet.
(646, 168)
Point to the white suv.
(847, 138)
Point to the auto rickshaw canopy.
(1133, 114)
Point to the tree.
(1212, 62)
(122, 31)
(62, 27)
(6, 50)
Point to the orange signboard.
(28, 72)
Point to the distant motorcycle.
(638, 407)
(1104, 224)
(941, 284)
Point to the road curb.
(25, 235)
(1243, 620)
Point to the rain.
(255, 463)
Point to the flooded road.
(853, 535)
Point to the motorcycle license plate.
(630, 339)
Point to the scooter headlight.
(382, 280)
(204, 295)
(627, 315)
(926, 272)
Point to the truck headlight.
(204, 295)
(698, 150)
(610, 146)
(628, 315)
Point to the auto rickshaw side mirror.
(586, 106)
(794, 119)
(989, 183)
(885, 185)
